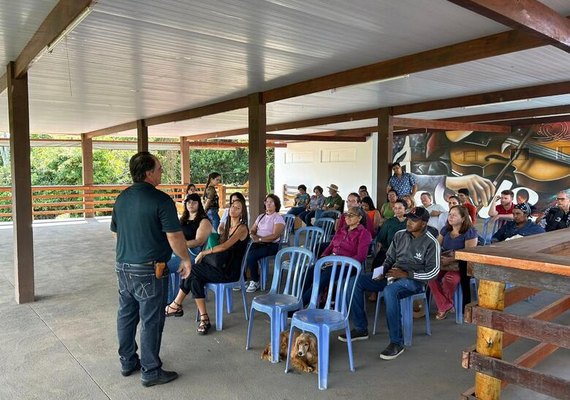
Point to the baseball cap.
(524, 207)
(418, 213)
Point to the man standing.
(435, 210)
(412, 259)
(402, 182)
(463, 195)
(519, 226)
(503, 212)
(557, 217)
(147, 229)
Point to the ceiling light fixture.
(49, 48)
(497, 103)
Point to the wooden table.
(534, 263)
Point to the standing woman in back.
(212, 200)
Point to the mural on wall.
(533, 162)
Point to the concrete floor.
(63, 346)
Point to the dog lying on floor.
(304, 357)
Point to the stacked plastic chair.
(277, 303)
(334, 315)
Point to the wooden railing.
(90, 200)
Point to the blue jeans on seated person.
(256, 253)
(296, 210)
(325, 214)
(142, 298)
(306, 216)
(397, 290)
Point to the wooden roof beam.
(447, 125)
(531, 16)
(316, 138)
(515, 115)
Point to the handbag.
(454, 266)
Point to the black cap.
(418, 213)
(524, 207)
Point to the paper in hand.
(378, 272)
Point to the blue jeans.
(325, 214)
(397, 290)
(296, 210)
(214, 217)
(142, 298)
(256, 253)
(307, 216)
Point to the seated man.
(558, 216)
(519, 226)
(412, 259)
(332, 203)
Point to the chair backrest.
(309, 237)
(327, 224)
(244, 260)
(289, 224)
(299, 261)
(343, 269)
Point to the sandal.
(204, 325)
(178, 311)
(441, 315)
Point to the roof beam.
(111, 130)
(447, 125)
(471, 50)
(528, 15)
(515, 115)
(550, 89)
(219, 134)
(57, 21)
(316, 138)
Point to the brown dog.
(304, 355)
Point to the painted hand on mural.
(481, 189)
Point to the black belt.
(146, 264)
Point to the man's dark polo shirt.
(141, 217)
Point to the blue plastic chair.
(225, 289)
(327, 224)
(407, 315)
(278, 303)
(174, 277)
(283, 241)
(458, 304)
(321, 322)
(309, 238)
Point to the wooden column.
(87, 166)
(257, 161)
(142, 135)
(185, 161)
(384, 153)
(21, 184)
(489, 341)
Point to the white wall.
(345, 164)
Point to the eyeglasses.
(561, 198)
(350, 215)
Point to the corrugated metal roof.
(133, 59)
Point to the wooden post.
(257, 161)
(87, 166)
(185, 160)
(489, 341)
(22, 218)
(142, 135)
(384, 154)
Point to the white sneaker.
(237, 288)
(253, 287)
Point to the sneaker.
(392, 351)
(238, 288)
(253, 287)
(354, 335)
(162, 378)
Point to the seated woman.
(386, 210)
(409, 201)
(233, 197)
(457, 234)
(301, 201)
(196, 228)
(351, 240)
(373, 213)
(315, 203)
(221, 263)
(265, 234)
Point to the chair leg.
(323, 347)
(458, 303)
(229, 300)
(219, 307)
(291, 330)
(426, 305)
(249, 328)
(244, 301)
(275, 322)
(377, 312)
(349, 348)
